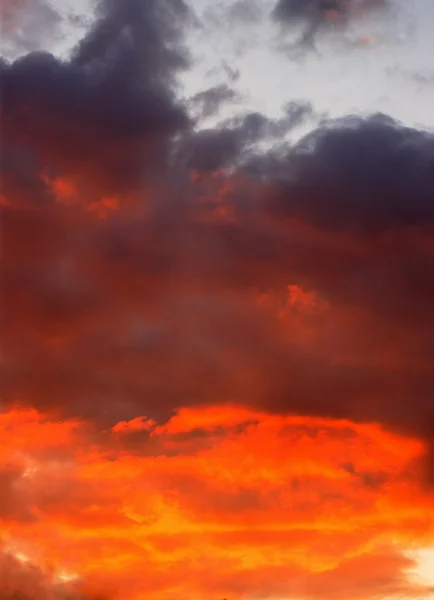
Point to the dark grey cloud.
(368, 174)
(111, 109)
(230, 143)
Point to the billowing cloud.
(144, 306)
(376, 162)
(104, 116)
(217, 361)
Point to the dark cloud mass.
(108, 113)
(138, 276)
(368, 174)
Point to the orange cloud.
(219, 502)
(137, 424)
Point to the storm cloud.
(147, 265)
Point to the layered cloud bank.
(192, 508)
(217, 358)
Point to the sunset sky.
(217, 300)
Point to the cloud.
(312, 17)
(117, 308)
(20, 580)
(375, 162)
(244, 11)
(323, 11)
(24, 24)
(211, 99)
(197, 509)
(217, 346)
(108, 112)
(232, 141)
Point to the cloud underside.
(192, 509)
(153, 271)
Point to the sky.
(217, 255)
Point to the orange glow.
(104, 207)
(216, 349)
(276, 505)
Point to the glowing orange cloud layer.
(219, 502)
